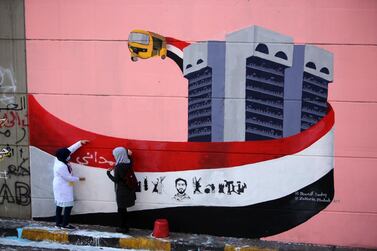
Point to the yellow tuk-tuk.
(146, 44)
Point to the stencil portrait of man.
(181, 185)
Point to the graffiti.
(20, 197)
(23, 136)
(4, 175)
(2, 121)
(22, 193)
(19, 170)
(6, 133)
(6, 152)
(14, 106)
(93, 158)
(15, 170)
(14, 118)
(7, 85)
(6, 194)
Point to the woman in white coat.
(63, 184)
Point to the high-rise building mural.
(256, 60)
(204, 67)
(318, 71)
(239, 138)
(275, 92)
(306, 92)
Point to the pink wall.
(77, 59)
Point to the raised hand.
(84, 141)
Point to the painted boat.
(243, 189)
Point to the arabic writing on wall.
(14, 149)
(94, 159)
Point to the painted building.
(204, 65)
(306, 89)
(318, 72)
(255, 64)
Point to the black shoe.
(70, 227)
(122, 230)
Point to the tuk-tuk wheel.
(163, 56)
(133, 59)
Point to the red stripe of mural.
(49, 133)
(177, 43)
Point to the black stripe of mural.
(178, 60)
(255, 221)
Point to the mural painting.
(258, 159)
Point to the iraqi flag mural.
(251, 168)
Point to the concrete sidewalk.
(142, 239)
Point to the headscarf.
(63, 155)
(121, 155)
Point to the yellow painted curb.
(41, 235)
(144, 243)
(246, 248)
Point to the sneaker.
(70, 227)
(58, 226)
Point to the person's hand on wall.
(84, 141)
(82, 178)
(129, 152)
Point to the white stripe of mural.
(229, 187)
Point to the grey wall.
(14, 133)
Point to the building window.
(311, 65)
(325, 70)
(262, 48)
(281, 55)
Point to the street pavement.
(12, 243)
(104, 238)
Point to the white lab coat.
(63, 180)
